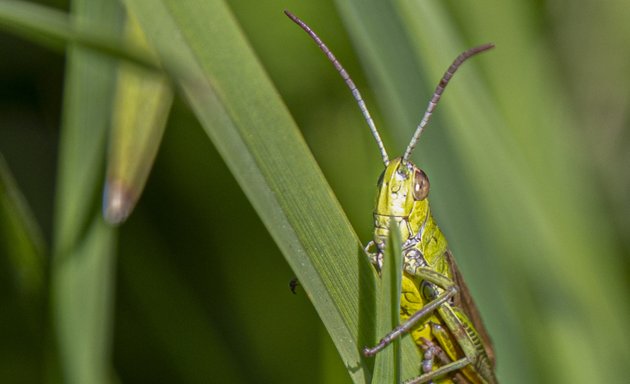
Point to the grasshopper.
(436, 307)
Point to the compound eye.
(420, 185)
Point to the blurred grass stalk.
(82, 280)
(141, 106)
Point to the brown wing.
(465, 301)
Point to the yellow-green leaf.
(142, 101)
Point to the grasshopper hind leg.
(434, 353)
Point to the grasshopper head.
(402, 196)
(401, 186)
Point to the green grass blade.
(387, 366)
(84, 246)
(251, 128)
(87, 107)
(22, 240)
(56, 29)
(83, 285)
(36, 22)
(142, 102)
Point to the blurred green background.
(533, 200)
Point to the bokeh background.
(201, 291)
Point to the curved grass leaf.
(56, 29)
(252, 129)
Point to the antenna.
(347, 79)
(438, 93)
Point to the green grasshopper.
(436, 307)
